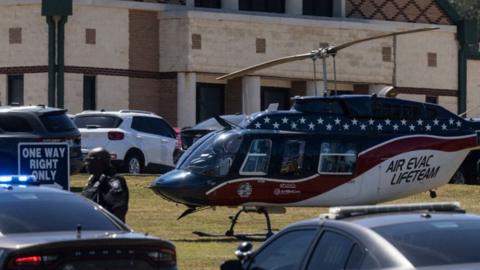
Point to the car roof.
(31, 188)
(39, 109)
(121, 113)
(384, 215)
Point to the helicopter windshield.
(214, 155)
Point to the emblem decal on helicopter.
(244, 190)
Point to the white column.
(294, 7)
(3, 89)
(190, 3)
(310, 91)
(339, 8)
(230, 4)
(250, 94)
(186, 99)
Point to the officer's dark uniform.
(104, 186)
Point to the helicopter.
(328, 150)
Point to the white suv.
(137, 140)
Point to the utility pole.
(56, 13)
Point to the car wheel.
(133, 164)
(458, 178)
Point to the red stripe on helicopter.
(263, 190)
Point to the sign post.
(48, 162)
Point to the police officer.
(104, 186)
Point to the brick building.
(164, 56)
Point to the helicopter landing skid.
(234, 220)
(242, 237)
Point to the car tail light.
(31, 262)
(115, 135)
(28, 261)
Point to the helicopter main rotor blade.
(267, 64)
(335, 49)
(318, 53)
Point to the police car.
(46, 228)
(408, 236)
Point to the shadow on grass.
(76, 189)
(224, 239)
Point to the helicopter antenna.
(334, 74)
(314, 60)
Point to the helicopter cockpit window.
(258, 157)
(337, 159)
(292, 161)
(214, 156)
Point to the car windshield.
(212, 123)
(28, 212)
(97, 121)
(214, 155)
(57, 123)
(435, 242)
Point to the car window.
(333, 251)
(285, 252)
(435, 242)
(12, 123)
(47, 212)
(57, 123)
(152, 125)
(97, 121)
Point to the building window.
(275, 6)
(15, 35)
(278, 95)
(15, 90)
(89, 93)
(258, 157)
(208, 3)
(90, 36)
(210, 100)
(196, 41)
(337, 159)
(387, 54)
(318, 8)
(431, 99)
(261, 45)
(432, 59)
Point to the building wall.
(32, 51)
(473, 88)
(35, 89)
(112, 92)
(412, 68)
(74, 92)
(112, 44)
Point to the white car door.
(156, 141)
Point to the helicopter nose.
(180, 187)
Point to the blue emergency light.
(18, 180)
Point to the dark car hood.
(17, 241)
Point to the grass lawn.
(149, 213)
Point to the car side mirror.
(231, 265)
(244, 251)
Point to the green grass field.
(149, 213)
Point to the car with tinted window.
(138, 141)
(405, 236)
(27, 124)
(47, 228)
